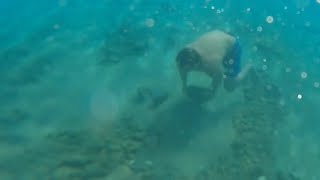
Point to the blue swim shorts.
(232, 62)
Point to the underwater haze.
(91, 90)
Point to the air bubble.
(316, 84)
(62, 3)
(262, 178)
(264, 67)
(131, 7)
(56, 26)
(231, 61)
(308, 24)
(269, 19)
(255, 48)
(288, 69)
(304, 75)
(299, 96)
(259, 28)
(149, 22)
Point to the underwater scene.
(159, 90)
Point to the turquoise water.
(90, 90)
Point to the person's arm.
(244, 73)
(232, 83)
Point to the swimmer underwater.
(217, 54)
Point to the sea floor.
(96, 104)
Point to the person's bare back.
(213, 47)
(218, 55)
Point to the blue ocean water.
(90, 90)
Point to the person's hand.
(244, 73)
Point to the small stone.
(131, 162)
(262, 178)
(150, 22)
(149, 163)
(120, 173)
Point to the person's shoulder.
(218, 35)
(218, 32)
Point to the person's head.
(188, 58)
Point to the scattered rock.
(124, 44)
(122, 172)
(150, 97)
